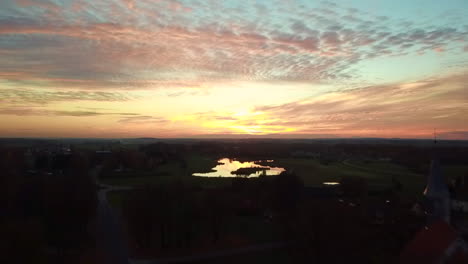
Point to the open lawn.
(386, 167)
(453, 172)
(379, 174)
(116, 198)
(413, 183)
(170, 171)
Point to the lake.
(234, 168)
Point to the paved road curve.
(111, 246)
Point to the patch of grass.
(116, 198)
(174, 170)
(201, 164)
(314, 173)
(378, 174)
(452, 172)
(382, 166)
(413, 183)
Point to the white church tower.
(437, 195)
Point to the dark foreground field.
(61, 194)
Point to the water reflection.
(331, 183)
(232, 168)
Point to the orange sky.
(190, 68)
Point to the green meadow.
(378, 174)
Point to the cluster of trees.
(145, 158)
(178, 215)
(343, 229)
(122, 159)
(43, 216)
(323, 230)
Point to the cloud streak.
(44, 97)
(143, 119)
(19, 111)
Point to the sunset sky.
(272, 68)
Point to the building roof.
(437, 243)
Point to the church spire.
(436, 193)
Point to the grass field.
(413, 183)
(311, 171)
(116, 198)
(455, 171)
(169, 172)
(379, 174)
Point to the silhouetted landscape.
(333, 201)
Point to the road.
(112, 248)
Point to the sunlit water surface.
(227, 166)
(331, 183)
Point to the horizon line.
(230, 138)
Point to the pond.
(331, 183)
(234, 168)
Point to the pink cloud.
(138, 43)
(129, 3)
(407, 110)
(331, 38)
